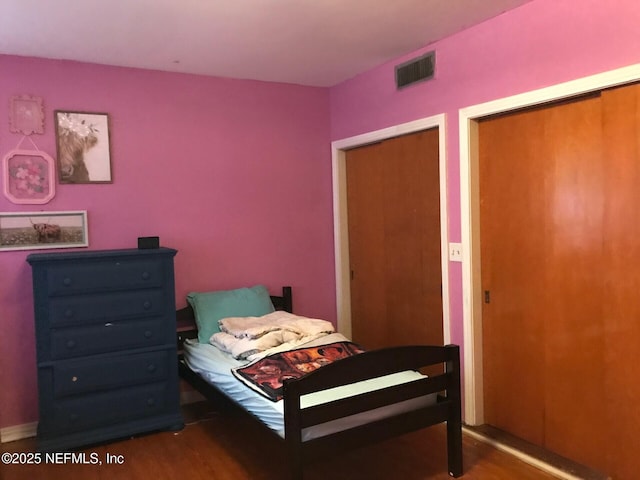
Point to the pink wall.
(234, 174)
(542, 43)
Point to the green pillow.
(210, 307)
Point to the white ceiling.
(308, 42)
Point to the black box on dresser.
(105, 342)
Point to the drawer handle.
(68, 313)
(151, 368)
(71, 344)
(148, 334)
(151, 402)
(146, 275)
(146, 305)
(74, 417)
(74, 379)
(67, 282)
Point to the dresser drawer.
(109, 337)
(78, 310)
(90, 411)
(107, 372)
(114, 274)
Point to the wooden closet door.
(574, 339)
(541, 247)
(560, 254)
(513, 248)
(394, 241)
(621, 279)
(366, 204)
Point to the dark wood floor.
(227, 445)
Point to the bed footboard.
(366, 366)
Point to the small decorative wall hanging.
(26, 114)
(83, 147)
(28, 176)
(33, 230)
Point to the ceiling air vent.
(416, 70)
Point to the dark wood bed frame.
(364, 366)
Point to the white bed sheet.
(215, 366)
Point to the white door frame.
(340, 221)
(470, 214)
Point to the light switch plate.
(455, 252)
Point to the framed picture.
(26, 114)
(28, 176)
(84, 151)
(38, 230)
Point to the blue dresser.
(106, 349)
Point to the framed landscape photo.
(39, 230)
(28, 177)
(84, 148)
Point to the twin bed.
(360, 399)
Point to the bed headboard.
(185, 316)
(285, 301)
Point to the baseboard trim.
(529, 459)
(18, 432)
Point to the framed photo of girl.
(84, 148)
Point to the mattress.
(214, 366)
